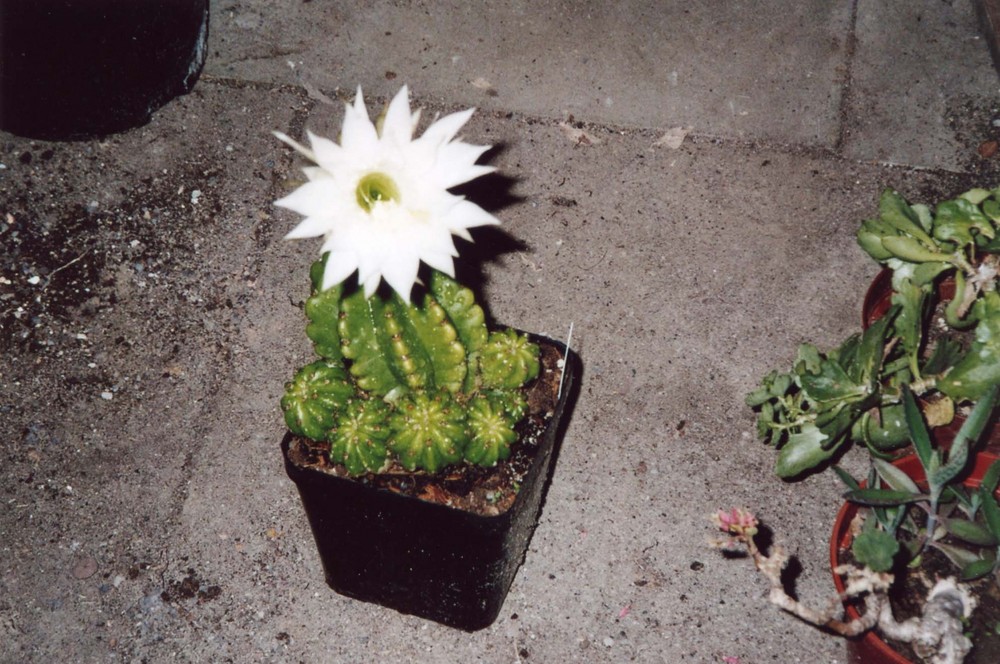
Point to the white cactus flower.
(380, 198)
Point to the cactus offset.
(359, 436)
(426, 385)
(314, 397)
(508, 360)
(492, 431)
(428, 431)
(321, 307)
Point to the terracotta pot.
(423, 558)
(878, 300)
(870, 648)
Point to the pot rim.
(911, 465)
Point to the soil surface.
(482, 491)
(907, 599)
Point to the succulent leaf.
(971, 532)
(977, 569)
(896, 212)
(886, 432)
(803, 451)
(979, 370)
(875, 549)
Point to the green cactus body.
(508, 360)
(427, 384)
(465, 314)
(360, 343)
(491, 432)
(359, 435)
(428, 432)
(511, 402)
(322, 309)
(401, 346)
(440, 338)
(314, 397)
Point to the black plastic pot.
(422, 558)
(74, 69)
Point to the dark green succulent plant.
(854, 392)
(961, 523)
(425, 384)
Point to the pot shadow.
(493, 193)
(574, 370)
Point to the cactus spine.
(427, 385)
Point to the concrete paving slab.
(636, 63)
(920, 65)
(126, 271)
(147, 515)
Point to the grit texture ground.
(680, 181)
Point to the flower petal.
(358, 135)
(314, 198)
(397, 127)
(456, 164)
(400, 272)
(387, 237)
(298, 147)
(339, 266)
(309, 227)
(328, 154)
(444, 129)
(466, 214)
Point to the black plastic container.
(74, 69)
(423, 558)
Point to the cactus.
(428, 431)
(314, 397)
(508, 360)
(426, 385)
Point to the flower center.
(376, 187)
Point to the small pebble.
(84, 568)
(608, 641)
(107, 396)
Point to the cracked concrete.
(147, 329)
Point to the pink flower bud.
(739, 522)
